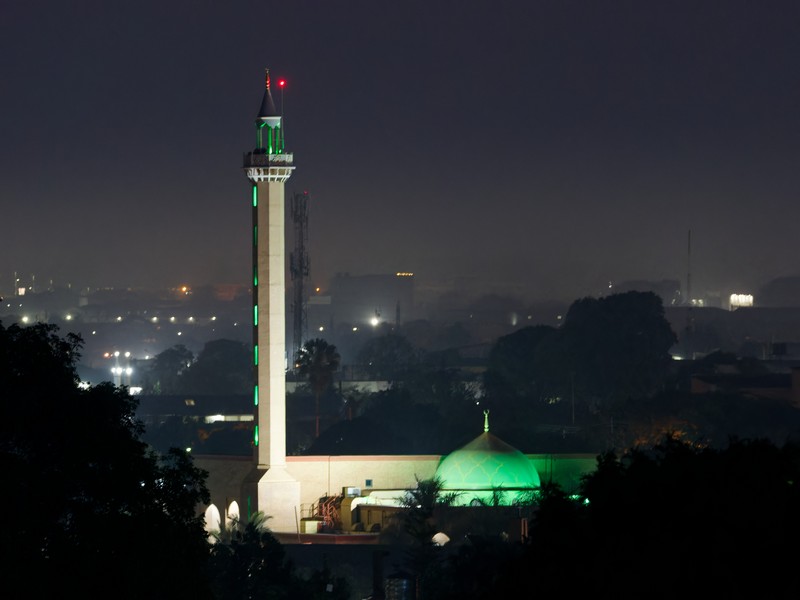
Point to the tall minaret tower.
(269, 488)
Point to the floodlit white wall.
(740, 300)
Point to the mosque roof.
(487, 463)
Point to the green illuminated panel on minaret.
(255, 277)
(255, 354)
(255, 435)
(255, 315)
(255, 196)
(255, 396)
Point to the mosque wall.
(225, 477)
(329, 475)
(564, 469)
(321, 476)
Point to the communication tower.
(298, 268)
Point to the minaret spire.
(486, 421)
(268, 123)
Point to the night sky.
(542, 148)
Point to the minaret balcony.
(268, 167)
(255, 159)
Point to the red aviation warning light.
(281, 82)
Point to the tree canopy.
(388, 357)
(617, 346)
(222, 367)
(675, 519)
(318, 360)
(92, 508)
(607, 350)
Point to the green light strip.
(255, 195)
(255, 315)
(255, 396)
(255, 354)
(255, 436)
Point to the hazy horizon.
(545, 147)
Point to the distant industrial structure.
(299, 270)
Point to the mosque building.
(295, 491)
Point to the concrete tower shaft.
(269, 323)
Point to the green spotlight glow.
(255, 195)
(255, 435)
(255, 315)
(255, 354)
(255, 396)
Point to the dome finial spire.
(486, 420)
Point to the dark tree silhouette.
(164, 375)
(616, 346)
(388, 357)
(513, 370)
(656, 523)
(221, 367)
(89, 507)
(247, 561)
(318, 361)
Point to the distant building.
(360, 300)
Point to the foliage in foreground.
(659, 523)
(93, 510)
(251, 563)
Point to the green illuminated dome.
(488, 470)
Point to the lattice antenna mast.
(299, 268)
(689, 269)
